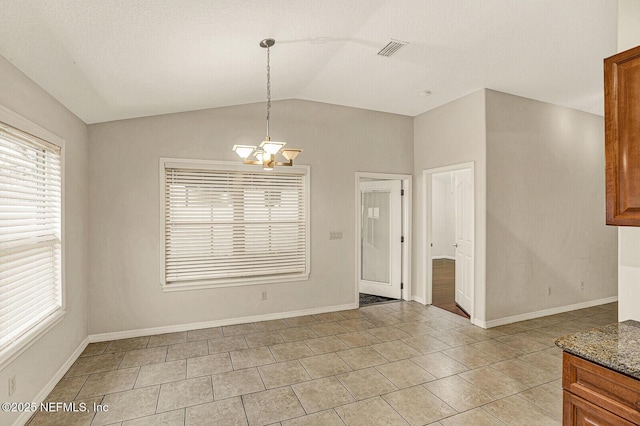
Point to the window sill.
(13, 351)
(236, 282)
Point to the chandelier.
(265, 154)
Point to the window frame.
(28, 338)
(166, 163)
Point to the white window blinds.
(230, 225)
(30, 232)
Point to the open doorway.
(443, 243)
(450, 235)
(382, 237)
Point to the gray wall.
(539, 173)
(451, 134)
(443, 211)
(545, 207)
(124, 284)
(35, 367)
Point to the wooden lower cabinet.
(580, 412)
(595, 395)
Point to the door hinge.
(401, 286)
(402, 192)
(402, 239)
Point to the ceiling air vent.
(392, 47)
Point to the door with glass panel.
(380, 238)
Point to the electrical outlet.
(548, 291)
(582, 285)
(264, 296)
(12, 385)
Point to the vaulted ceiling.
(113, 59)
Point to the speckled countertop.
(615, 346)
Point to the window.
(226, 224)
(30, 236)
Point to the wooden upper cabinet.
(622, 137)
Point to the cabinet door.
(614, 392)
(579, 412)
(622, 137)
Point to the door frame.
(427, 231)
(406, 229)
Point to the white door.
(463, 181)
(380, 238)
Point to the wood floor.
(444, 272)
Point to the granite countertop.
(615, 346)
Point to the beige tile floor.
(393, 364)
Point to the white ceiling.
(113, 59)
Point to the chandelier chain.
(268, 87)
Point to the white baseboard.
(24, 417)
(443, 257)
(102, 337)
(544, 312)
(419, 300)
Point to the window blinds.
(30, 232)
(223, 225)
